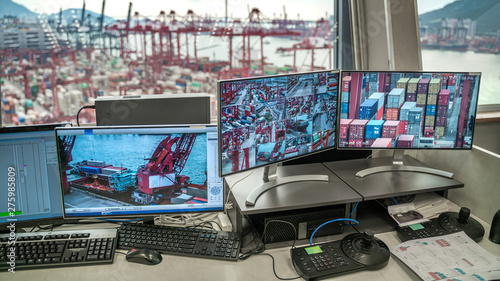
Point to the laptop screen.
(139, 171)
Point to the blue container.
(91, 170)
(368, 109)
(415, 115)
(344, 107)
(430, 110)
(374, 129)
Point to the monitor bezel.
(59, 219)
(219, 121)
(136, 215)
(478, 73)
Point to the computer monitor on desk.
(407, 110)
(29, 179)
(139, 171)
(264, 121)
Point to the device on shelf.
(446, 223)
(181, 241)
(407, 110)
(264, 121)
(29, 168)
(58, 248)
(139, 171)
(355, 252)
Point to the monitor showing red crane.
(407, 110)
(139, 170)
(266, 120)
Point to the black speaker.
(495, 228)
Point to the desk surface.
(257, 267)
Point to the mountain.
(69, 15)
(484, 12)
(9, 8)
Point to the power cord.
(78, 114)
(325, 223)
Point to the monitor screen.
(139, 170)
(30, 188)
(407, 110)
(267, 120)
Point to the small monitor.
(407, 110)
(139, 171)
(264, 121)
(30, 176)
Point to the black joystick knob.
(463, 215)
(368, 237)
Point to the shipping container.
(344, 107)
(344, 115)
(430, 121)
(358, 143)
(430, 110)
(344, 97)
(405, 141)
(390, 129)
(423, 86)
(392, 114)
(405, 110)
(412, 86)
(91, 170)
(369, 143)
(411, 97)
(441, 121)
(346, 84)
(382, 142)
(421, 99)
(434, 86)
(396, 98)
(414, 129)
(373, 77)
(344, 127)
(374, 129)
(432, 99)
(96, 163)
(379, 97)
(357, 129)
(343, 142)
(368, 109)
(403, 126)
(439, 131)
(415, 115)
(444, 97)
(452, 81)
(402, 83)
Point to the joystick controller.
(446, 223)
(355, 252)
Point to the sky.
(238, 8)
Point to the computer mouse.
(144, 256)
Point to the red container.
(442, 110)
(357, 129)
(390, 129)
(380, 113)
(444, 97)
(358, 143)
(411, 97)
(423, 86)
(369, 142)
(344, 127)
(452, 81)
(405, 141)
(343, 142)
(440, 121)
(392, 114)
(382, 142)
(346, 83)
(403, 127)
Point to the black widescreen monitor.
(407, 110)
(264, 121)
(139, 171)
(29, 181)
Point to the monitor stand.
(271, 180)
(398, 166)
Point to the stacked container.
(406, 141)
(368, 109)
(382, 142)
(411, 89)
(395, 100)
(442, 112)
(372, 83)
(344, 97)
(402, 83)
(415, 116)
(344, 132)
(403, 116)
(357, 132)
(390, 129)
(373, 131)
(380, 97)
(395, 79)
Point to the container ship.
(101, 178)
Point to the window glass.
(57, 57)
(463, 35)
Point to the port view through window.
(463, 35)
(58, 56)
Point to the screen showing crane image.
(270, 119)
(407, 110)
(143, 170)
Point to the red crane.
(66, 143)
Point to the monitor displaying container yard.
(267, 120)
(407, 110)
(30, 179)
(139, 170)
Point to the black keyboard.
(58, 248)
(182, 241)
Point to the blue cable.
(354, 209)
(395, 201)
(314, 232)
